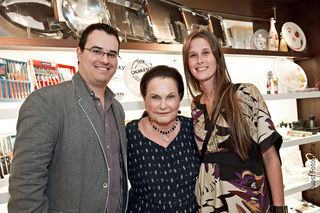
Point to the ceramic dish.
(259, 40)
(291, 76)
(294, 36)
(133, 73)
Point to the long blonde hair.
(226, 100)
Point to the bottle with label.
(273, 38)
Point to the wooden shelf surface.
(47, 43)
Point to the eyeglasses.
(100, 53)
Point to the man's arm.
(35, 140)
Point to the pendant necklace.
(164, 133)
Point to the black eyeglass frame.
(98, 52)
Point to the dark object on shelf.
(161, 15)
(311, 125)
(180, 31)
(314, 130)
(131, 20)
(283, 124)
(299, 125)
(216, 26)
(311, 121)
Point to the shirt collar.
(108, 94)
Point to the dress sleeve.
(262, 129)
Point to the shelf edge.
(7, 42)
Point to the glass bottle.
(273, 38)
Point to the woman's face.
(162, 100)
(201, 60)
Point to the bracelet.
(279, 209)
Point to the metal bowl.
(81, 13)
(36, 15)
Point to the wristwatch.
(279, 209)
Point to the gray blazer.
(59, 162)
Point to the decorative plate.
(294, 36)
(291, 75)
(259, 40)
(133, 73)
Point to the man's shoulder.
(48, 93)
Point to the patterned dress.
(239, 186)
(162, 179)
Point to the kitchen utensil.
(81, 13)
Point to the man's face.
(97, 70)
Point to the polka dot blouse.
(162, 179)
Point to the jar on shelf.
(273, 38)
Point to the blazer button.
(105, 185)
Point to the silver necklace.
(164, 133)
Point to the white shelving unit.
(295, 95)
(301, 186)
(291, 189)
(295, 141)
(9, 108)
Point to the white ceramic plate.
(291, 75)
(133, 73)
(294, 36)
(259, 40)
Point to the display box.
(14, 80)
(43, 73)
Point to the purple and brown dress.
(225, 183)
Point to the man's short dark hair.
(99, 26)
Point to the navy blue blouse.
(162, 179)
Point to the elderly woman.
(163, 159)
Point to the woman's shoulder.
(132, 124)
(248, 89)
(184, 118)
(185, 121)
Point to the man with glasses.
(70, 149)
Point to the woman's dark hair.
(161, 71)
(226, 98)
(99, 26)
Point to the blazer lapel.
(86, 104)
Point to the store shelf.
(9, 108)
(295, 95)
(4, 195)
(294, 141)
(248, 52)
(302, 186)
(50, 44)
(133, 105)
